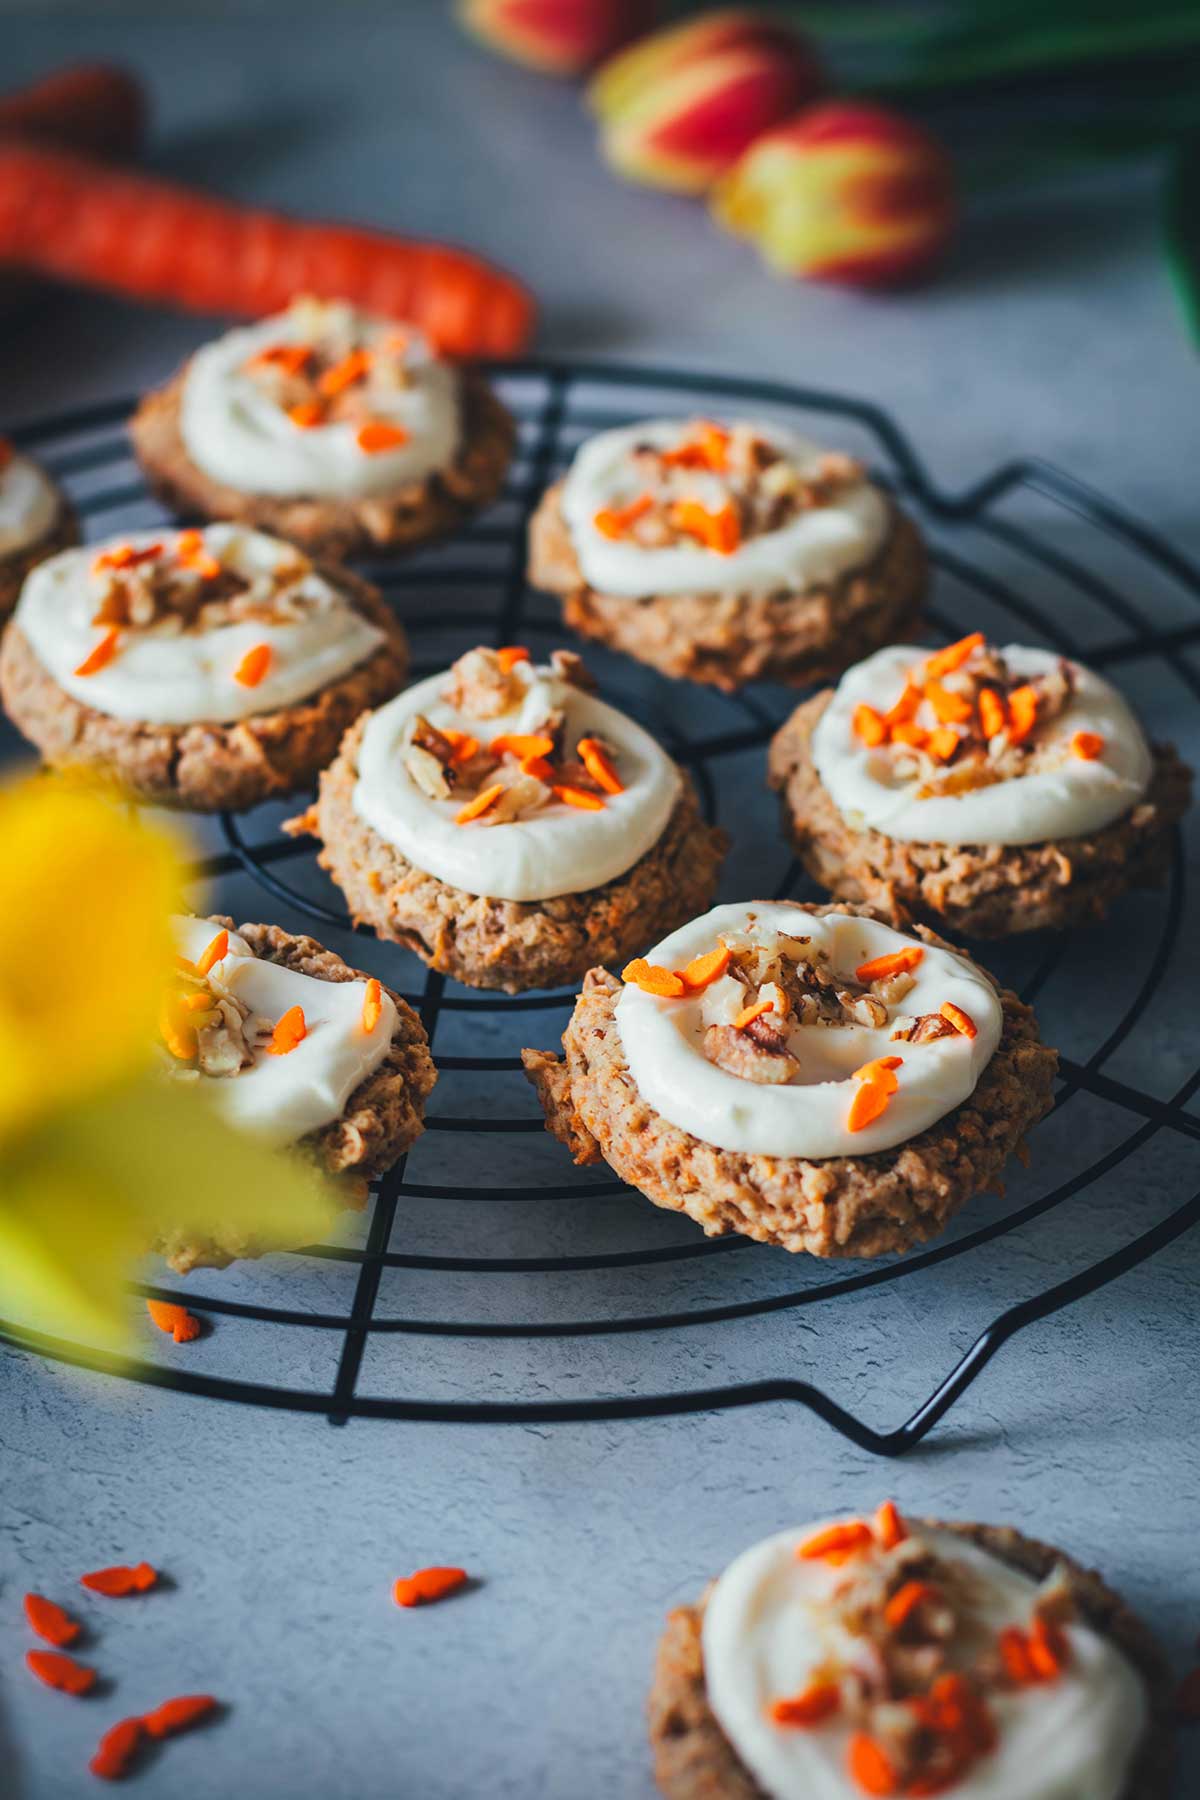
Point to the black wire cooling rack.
(1029, 552)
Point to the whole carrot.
(89, 106)
(65, 216)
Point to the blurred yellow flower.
(100, 1156)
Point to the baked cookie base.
(334, 528)
(694, 1760)
(726, 640)
(983, 890)
(866, 1206)
(205, 767)
(382, 1119)
(510, 944)
(63, 534)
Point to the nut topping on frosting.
(333, 376)
(718, 488)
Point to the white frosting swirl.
(162, 676)
(1070, 798)
(281, 1098)
(558, 849)
(28, 504)
(237, 433)
(663, 1043)
(814, 548)
(767, 1631)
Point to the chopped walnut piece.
(740, 1053)
(427, 771)
(481, 688)
(521, 796)
(923, 1030)
(862, 1009)
(891, 989)
(571, 668)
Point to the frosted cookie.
(510, 827)
(727, 554)
(36, 520)
(203, 669)
(805, 1075)
(898, 1656)
(334, 428)
(991, 790)
(296, 1048)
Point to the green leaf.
(1181, 230)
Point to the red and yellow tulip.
(560, 37)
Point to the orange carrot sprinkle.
(993, 713)
(192, 553)
(702, 971)
(538, 767)
(1013, 1646)
(521, 744)
(509, 655)
(836, 1541)
(869, 727)
(345, 373)
(575, 796)
(949, 708)
(709, 451)
(179, 1714)
(380, 434)
(880, 1070)
(748, 1014)
(291, 358)
(465, 746)
(653, 979)
(121, 1579)
(475, 808)
(869, 1103)
(116, 1749)
(214, 953)
(1186, 1704)
(1088, 745)
(719, 531)
(253, 666)
(894, 963)
(961, 1021)
(615, 521)
(598, 763)
(101, 654)
(175, 1320)
(904, 708)
(1022, 711)
(50, 1621)
(944, 662)
(871, 1766)
(306, 414)
(61, 1672)
(907, 1600)
(943, 743)
(289, 1031)
(372, 1010)
(890, 1528)
(906, 732)
(817, 1702)
(1049, 1649)
(427, 1585)
(125, 556)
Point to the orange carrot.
(942, 662)
(101, 653)
(652, 979)
(1022, 711)
(598, 763)
(120, 1580)
(253, 666)
(50, 1621)
(179, 1714)
(475, 808)
(1087, 745)
(880, 1070)
(949, 708)
(509, 655)
(61, 1672)
(869, 1103)
(890, 1528)
(719, 531)
(372, 1010)
(961, 1021)
(943, 743)
(906, 732)
(289, 1031)
(465, 746)
(748, 1014)
(217, 949)
(871, 1766)
(521, 744)
(702, 971)
(576, 796)
(159, 242)
(614, 521)
(175, 1320)
(352, 368)
(993, 713)
(378, 435)
(894, 963)
(427, 1585)
(869, 727)
(117, 1749)
(816, 1703)
(306, 414)
(907, 1600)
(293, 359)
(1014, 1654)
(836, 1541)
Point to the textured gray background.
(1051, 332)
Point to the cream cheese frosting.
(556, 850)
(1063, 796)
(164, 676)
(28, 503)
(768, 1630)
(239, 435)
(281, 1098)
(663, 1042)
(815, 548)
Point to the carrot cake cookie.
(36, 519)
(297, 1048)
(903, 1656)
(990, 790)
(203, 669)
(806, 1075)
(334, 428)
(510, 827)
(727, 554)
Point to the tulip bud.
(560, 37)
(624, 76)
(843, 192)
(681, 124)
